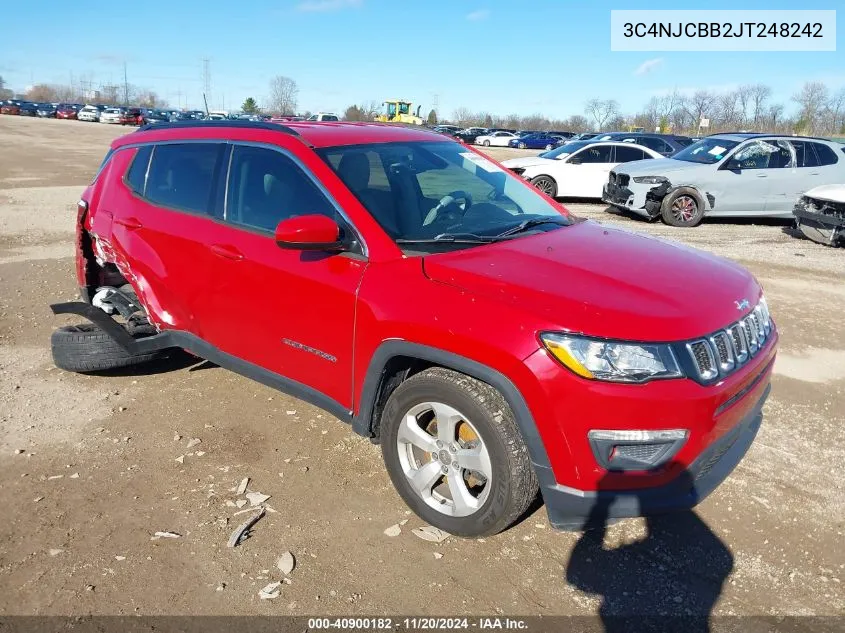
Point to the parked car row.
(736, 175)
(98, 113)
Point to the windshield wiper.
(449, 238)
(530, 224)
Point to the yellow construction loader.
(397, 111)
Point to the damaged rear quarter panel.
(135, 251)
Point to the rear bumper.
(571, 509)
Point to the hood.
(828, 193)
(655, 167)
(526, 161)
(604, 282)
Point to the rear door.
(291, 312)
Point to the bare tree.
(835, 113)
(283, 95)
(727, 110)
(760, 94)
(744, 99)
(811, 100)
(149, 99)
(41, 92)
(463, 116)
(774, 116)
(700, 106)
(576, 123)
(5, 93)
(601, 111)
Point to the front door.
(287, 311)
(742, 184)
(585, 172)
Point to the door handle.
(762, 175)
(229, 252)
(814, 173)
(132, 224)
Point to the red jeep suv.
(493, 344)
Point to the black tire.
(546, 184)
(513, 481)
(486, 143)
(86, 348)
(549, 147)
(521, 145)
(683, 207)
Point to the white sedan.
(495, 139)
(111, 115)
(580, 171)
(88, 113)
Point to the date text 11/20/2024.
(418, 624)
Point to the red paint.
(243, 294)
(304, 230)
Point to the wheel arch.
(396, 360)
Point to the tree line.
(817, 111)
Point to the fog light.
(635, 450)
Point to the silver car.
(727, 175)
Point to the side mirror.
(574, 161)
(309, 233)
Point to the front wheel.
(521, 145)
(682, 208)
(549, 147)
(455, 454)
(486, 143)
(546, 184)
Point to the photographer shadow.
(669, 580)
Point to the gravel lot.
(89, 469)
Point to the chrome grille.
(729, 349)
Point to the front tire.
(549, 147)
(521, 145)
(486, 143)
(455, 455)
(683, 208)
(546, 184)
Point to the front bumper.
(571, 509)
(632, 197)
(819, 227)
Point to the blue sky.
(500, 56)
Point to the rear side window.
(136, 177)
(625, 154)
(657, 144)
(826, 155)
(265, 187)
(182, 175)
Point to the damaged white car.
(820, 215)
(727, 175)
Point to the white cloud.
(647, 66)
(477, 16)
(327, 6)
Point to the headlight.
(612, 360)
(650, 180)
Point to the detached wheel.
(546, 184)
(455, 455)
(682, 207)
(86, 348)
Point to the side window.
(136, 177)
(330, 117)
(763, 154)
(657, 144)
(594, 154)
(805, 156)
(265, 187)
(826, 155)
(625, 154)
(182, 175)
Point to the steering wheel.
(449, 203)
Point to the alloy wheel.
(444, 458)
(545, 185)
(684, 208)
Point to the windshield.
(707, 151)
(565, 150)
(440, 192)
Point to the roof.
(744, 136)
(316, 134)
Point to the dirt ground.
(92, 466)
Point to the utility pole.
(125, 87)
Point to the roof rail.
(257, 125)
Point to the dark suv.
(492, 343)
